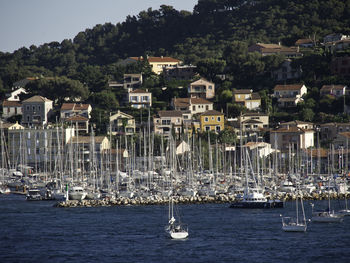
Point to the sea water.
(40, 232)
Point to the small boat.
(77, 193)
(175, 229)
(326, 216)
(34, 195)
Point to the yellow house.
(157, 63)
(212, 120)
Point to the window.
(27, 108)
(33, 108)
(219, 118)
(193, 107)
(206, 119)
(212, 118)
(207, 128)
(206, 107)
(218, 128)
(210, 87)
(39, 107)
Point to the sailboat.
(294, 224)
(175, 229)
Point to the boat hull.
(258, 205)
(294, 228)
(178, 235)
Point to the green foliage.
(227, 136)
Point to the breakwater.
(157, 200)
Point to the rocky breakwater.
(153, 200)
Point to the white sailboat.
(290, 224)
(175, 229)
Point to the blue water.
(39, 232)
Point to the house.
(342, 141)
(334, 37)
(253, 121)
(121, 123)
(69, 110)
(185, 72)
(289, 95)
(262, 149)
(140, 99)
(291, 138)
(14, 94)
(202, 89)
(40, 145)
(83, 144)
(274, 49)
(36, 111)
(132, 81)
(191, 106)
(337, 45)
(157, 63)
(329, 131)
(299, 124)
(165, 121)
(211, 120)
(286, 72)
(304, 42)
(249, 99)
(333, 90)
(341, 66)
(11, 108)
(79, 123)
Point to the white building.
(140, 99)
(36, 111)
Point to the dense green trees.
(215, 38)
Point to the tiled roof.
(330, 87)
(37, 98)
(201, 81)
(185, 102)
(289, 87)
(170, 113)
(211, 113)
(303, 41)
(255, 96)
(7, 103)
(292, 129)
(74, 106)
(139, 91)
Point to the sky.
(34, 22)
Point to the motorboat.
(77, 193)
(34, 195)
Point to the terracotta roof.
(303, 41)
(157, 59)
(211, 113)
(293, 129)
(74, 106)
(263, 45)
(170, 113)
(254, 114)
(7, 103)
(37, 98)
(345, 134)
(139, 91)
(185, 102)
(330, 87)
(289, 87)
(296, 122)
(323, 153)
(77, 118)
